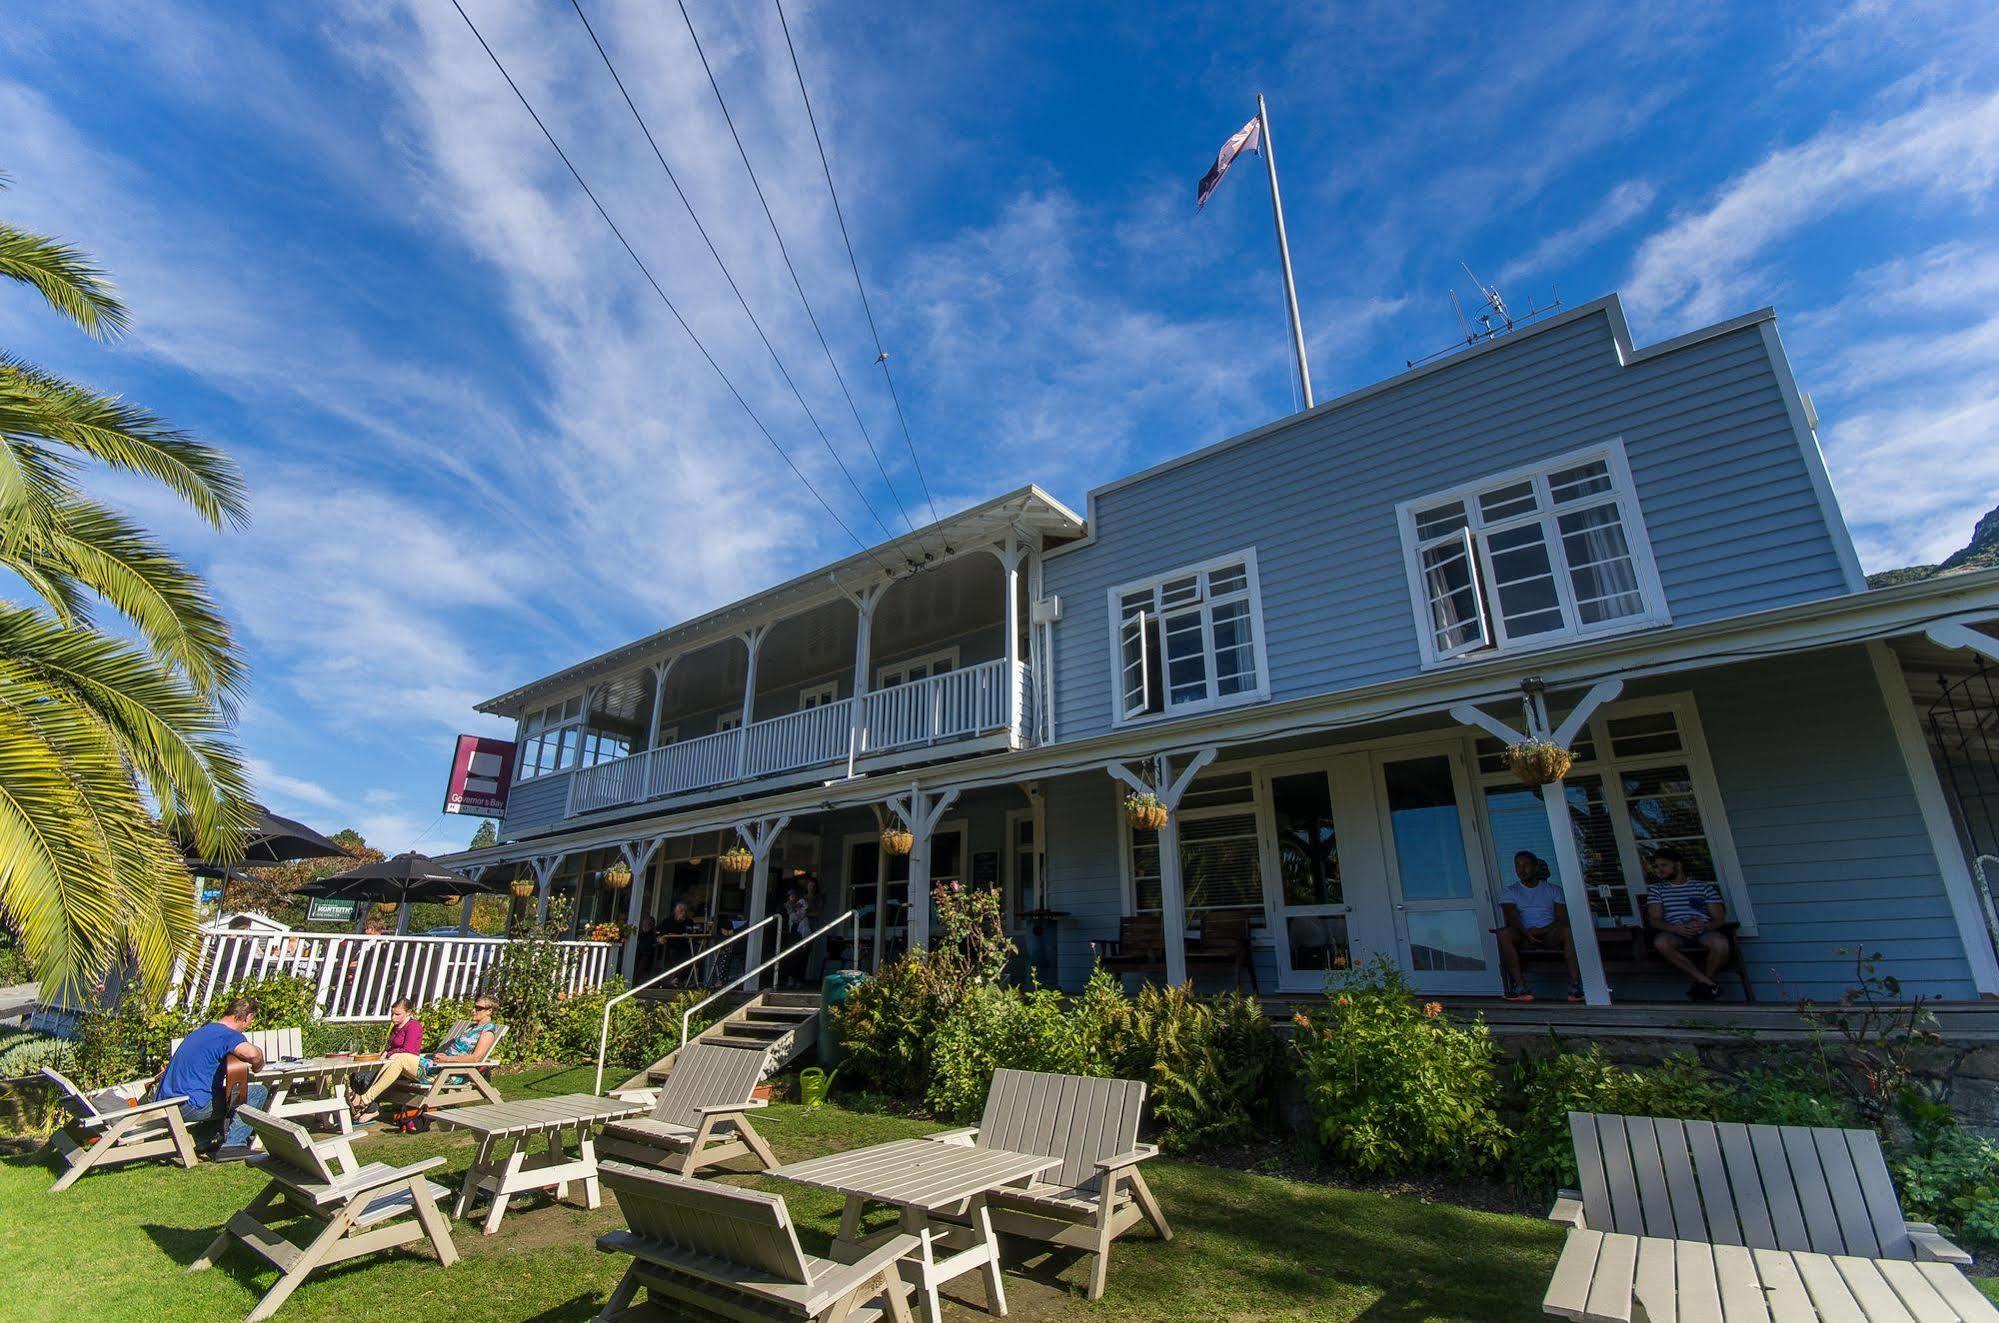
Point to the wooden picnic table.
(565, 1118)
(312, 1086)
(925, 1181)
(1609, 1277)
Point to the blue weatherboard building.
(1313, 643)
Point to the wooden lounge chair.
(700, 1117)
(1224, 945)
(116, 1126)
(454, 1084)
(1820, 1190)
(1098, 1193)
(1140, 947)
(358, 1209)
(718, 1250)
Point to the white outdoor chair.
(700, 1117)
(115, 1126)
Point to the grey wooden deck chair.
(701, 1116)
(724, 1251)
(1762, 1187)
(454, 1083)
(358, 1209)
(112, 1127)
(1098, 1193)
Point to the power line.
(713, 252)
(786, 253)
(646, 271)
(881, 354)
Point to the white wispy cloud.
(1620, 207)
(1703, 265)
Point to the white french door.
(1305, 894)
(1436, 870)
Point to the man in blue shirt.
(1687, 918)
(1534, 918)
(195, 1073)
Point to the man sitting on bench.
(1536, 920)
(199, 1071)
(1686, 915)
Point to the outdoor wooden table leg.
(586, 1150)
(473, 1171)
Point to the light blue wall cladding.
(1832, 844)
(535, 805)
(1726, 497)
(1084, 873)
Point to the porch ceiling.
(1029, 510)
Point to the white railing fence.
(358, 976)
(948, 706)
(954, 705)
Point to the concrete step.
(780, 1014)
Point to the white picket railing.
(801, 739)
(944, 707)
(358, 976)
(951, 706)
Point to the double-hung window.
(1189, 640)
(551, 738)
(1531, 557)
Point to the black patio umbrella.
(404, 878)
(272, 839)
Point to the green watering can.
(813, 1084)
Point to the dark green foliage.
(1210, 1063)
(1395, 1087)
(1550, 1087)
(126, 1043)
(886, 1026)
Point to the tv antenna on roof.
(1496, 318)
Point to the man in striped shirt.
(1686, 919)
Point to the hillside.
(1981, 553)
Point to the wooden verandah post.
(758, 835)
(1555, 798)
(919, 811)
(638, 857)
(1161, 781)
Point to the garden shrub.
(1395, 1087)
(886, 1026)
(284, 1001)
(1003, 1026)
(127, 1042)
(1792, 1095)
(1209, 1063)
(527, 980)
(27, 1052)
(1950, 1176)
(1550, 1087)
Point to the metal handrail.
(687, 1016)
(604, 1031)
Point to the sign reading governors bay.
(481, 771)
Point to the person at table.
(1686, 915)
(1534, 918)
(405, 1034)
(197, 1070)
(471, 1044)
(675, 938)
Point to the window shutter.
(1135, 645)
(1458, 622)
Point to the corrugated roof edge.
(860, 564)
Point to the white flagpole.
(1284, 253)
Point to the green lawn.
(1247, 1247)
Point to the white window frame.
(556, 727)
(1254, 807)
(1608, 769)
(1251, 592)
(728, 721)
(902, 665)
(819, 695)
(1637, 539)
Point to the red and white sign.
(481, 771)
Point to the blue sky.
(479, 449)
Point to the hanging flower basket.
(897, 840)
(1145, 812)
(618, 876)
(738, 859)
(1538, 762)
(522, 887)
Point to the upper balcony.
(839, 673)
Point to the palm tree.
(113, 741)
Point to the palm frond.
(73, 285)
(173, 735)
(121, 436)
(117, 560)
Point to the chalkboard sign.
(985, 869)
(322, 910)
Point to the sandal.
(367, 1115)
